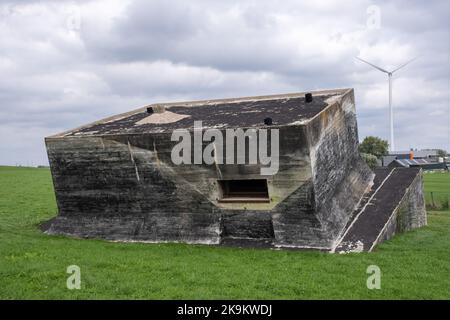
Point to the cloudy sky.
(67, 63)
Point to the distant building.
(425, 164)
(415, 154)
(386, 160)
(425, 159)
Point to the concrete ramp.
(394, 204)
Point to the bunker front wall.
(113, 190)
(125, 187)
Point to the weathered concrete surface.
(395, 204)
(225, 113)
(410, 213)
(114, 179)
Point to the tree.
(370, 159)
(374, 146)
(441, 153)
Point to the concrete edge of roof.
(194, 103)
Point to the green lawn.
(437, 193)
(33, 265)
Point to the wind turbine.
(391, 113)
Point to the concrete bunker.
(116, 179)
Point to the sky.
(65, 63)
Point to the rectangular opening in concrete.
(254, 190)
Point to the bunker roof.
(248, 112)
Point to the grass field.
(437, 193)
(33, 265)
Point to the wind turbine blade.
(403, 65)
(376, 67)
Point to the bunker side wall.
(410, 212)
(340, 176)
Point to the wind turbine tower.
(391, 113)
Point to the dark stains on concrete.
(224, 115)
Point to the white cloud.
(64, 63)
